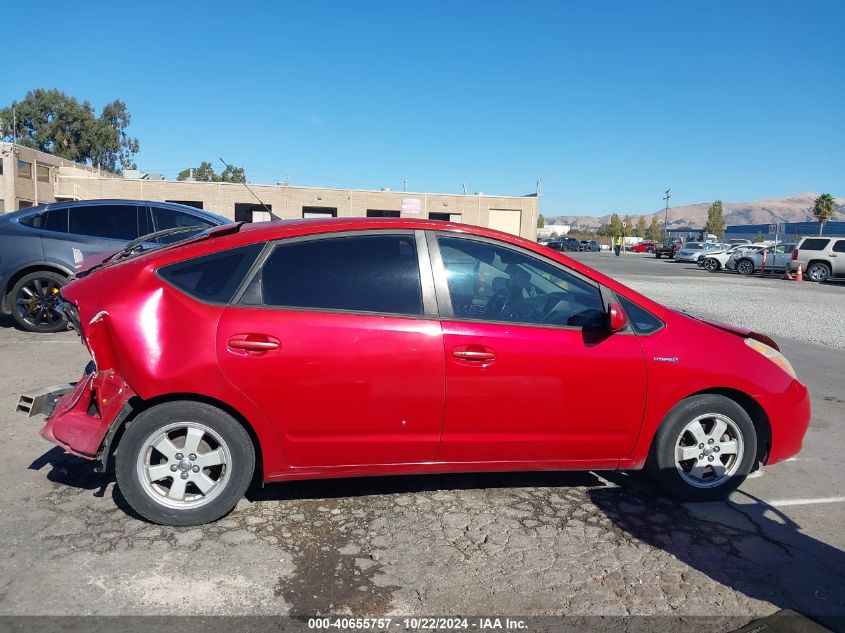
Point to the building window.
(24, 169)
(24, 204)
(42, 173)
(196, 204)
(1, 166)
(447, 217)
(2, 205)
(380, 213)
(319, 212)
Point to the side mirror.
(616, 318)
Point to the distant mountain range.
(789, 209)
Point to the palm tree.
(823, 209)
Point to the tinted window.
(641, 320)
(839, 246)
(814, 244)
(169, 218)
(361, 274)
(494, 283)
(113, 221)
(56, 220)
(213, 277)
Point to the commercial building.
(786, 231)
(29, 177)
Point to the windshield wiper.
(131, 246)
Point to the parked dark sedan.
(40, 247)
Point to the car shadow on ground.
(743, 543)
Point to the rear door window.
(110, 221)
(368, 273)
(839, 246)
(56, 220)
(213, 278)
(814, 244)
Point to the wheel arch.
(26, 270)
(137, 406)
(754, 410)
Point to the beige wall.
(70, 180)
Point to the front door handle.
(254, 343)
(468, 354)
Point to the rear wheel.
(704, 449)
(184, 463)
(35, 302)
(745, 267)
(658, 255)
(818, 272)
(711, 265)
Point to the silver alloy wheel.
(745, 267)
(183, 465)
(711, 264)
(818, 272)
(709, 450)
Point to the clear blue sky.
(608, 102)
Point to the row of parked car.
(820, 258)
(572, 244)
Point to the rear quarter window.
(814, 244)
(212, 278)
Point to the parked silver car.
(820, 257)
(691, 251)
(748, 260)
(40, 247)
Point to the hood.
(734, 329)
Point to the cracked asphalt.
(524, 544)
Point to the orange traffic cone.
(800, 275)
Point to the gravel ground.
(806, 312)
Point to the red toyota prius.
(348, 347)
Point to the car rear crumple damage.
(81, 419)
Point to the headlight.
(773, 355)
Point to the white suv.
(820, 257)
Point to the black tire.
(658, 255)
(745, 267)
(671, 436)
(34, 303)
(818, 271)
(711, 265)
(148, 499)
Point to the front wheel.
(658, 255)
(704, 449)
(184, 463)
(711, 265)
(35, 302)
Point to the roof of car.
(114, 201)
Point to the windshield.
(693, 246)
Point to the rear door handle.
(254, 343)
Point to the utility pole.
(666, 197)
(404, 184)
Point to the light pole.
(666, 197)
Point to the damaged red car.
(350, 347)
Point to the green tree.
(641, 226)
(654, 229)
(760, 237)
(541, 221)
(824, 208)
(205, 173)
(615, 225)
(51, 121)
(715, 220)
(627, 226)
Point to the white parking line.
(783, 503)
